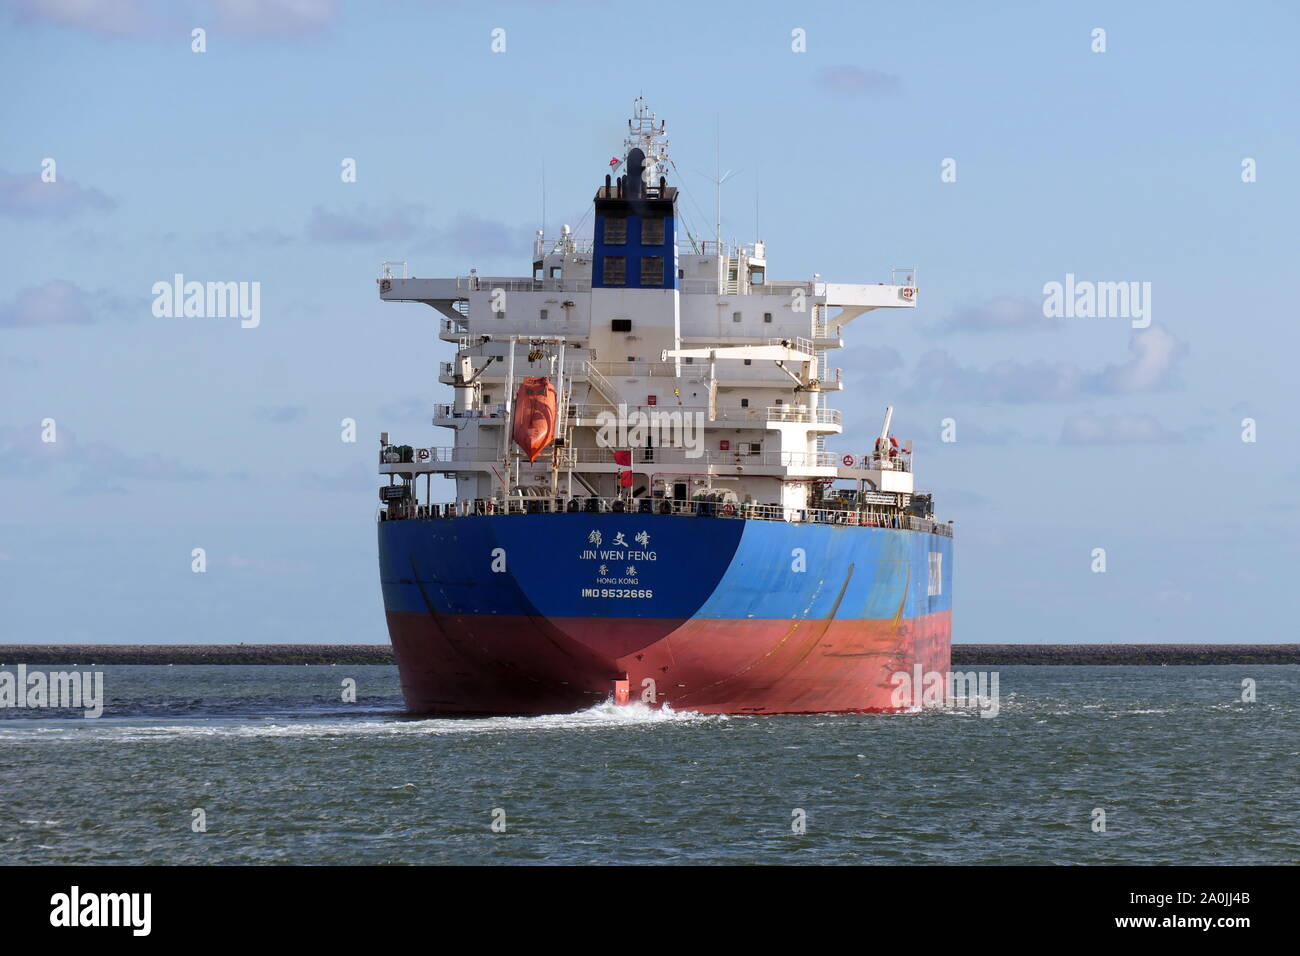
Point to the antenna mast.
(650, 135)
(718, 180)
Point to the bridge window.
(652, 270)
(615, 270)
(652, 232)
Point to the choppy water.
(287, 772)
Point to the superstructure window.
(735, 317)
(545, 315)
(767, 317)
(652, 232)
(620, 325)
(615, 270)
(652, 270)
(615, 230)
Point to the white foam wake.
(107, 729)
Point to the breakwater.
(963, 655)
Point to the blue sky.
(1072, 434)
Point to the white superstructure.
(676, 354)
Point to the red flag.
(625, 479)
(615, 161)
(623, 458)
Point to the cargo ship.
(648, 498)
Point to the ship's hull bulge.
(544, 613)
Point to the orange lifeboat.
(533, 427)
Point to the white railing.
(894, 518)
(741, 414)
(650, 458)
(800, 413)
(390, 270)
(786, 288)
(477, 283)
(600, 382)
(712, 287)
(495, 410)
(560, 245)
(636, 369)
(796, 342)
(755, 415)
(698, 286)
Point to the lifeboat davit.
(533, 427)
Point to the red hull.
(499, 664)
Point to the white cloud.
(1088, 429)
(1001, 314)
(856, 81)
(1155, 353)
(56, 302)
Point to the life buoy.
(728, 509)
(849, 461)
